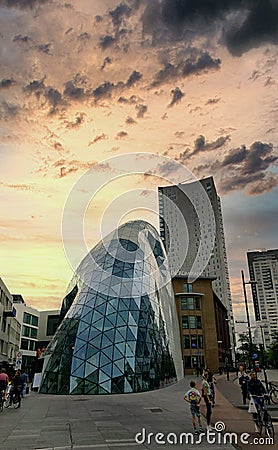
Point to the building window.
(185, 324)
(186, 341)
(52, 324)
(199, 322)
(188, 287)
(190, 303)
(200, 341)
(187, 361)
(30, 319)
(193, 340)
(192, 322)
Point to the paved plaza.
(112, 421)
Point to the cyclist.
(16, 387)
(256, 388)
(4, 380)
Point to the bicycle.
(2, 400)
(273, 392)
(13, 398)
(263, 418)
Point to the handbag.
(252, 408)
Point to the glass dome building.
(119, 329)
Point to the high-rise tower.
(263, 268)
(191, 222)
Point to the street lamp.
(247, 311)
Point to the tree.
(246, 349)
(272, 356)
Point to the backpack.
(193, 397)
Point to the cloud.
(259, 27)
(106, 41)
(6, 83)
(22, 4)
(196, 63)
(8, 110)
(141, 110)
(106, 61)
(133, 78)
(121, 135)
(130, 121)
(201, 145)
(177, 95)
(98, 138)
(245, 24)
(244, 169)
(119, 14)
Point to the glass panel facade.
(119, 330)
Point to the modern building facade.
(9, 328)
(203, 325)
(49, 321)
(120, 330)
(263, 268)
(191, 219)
(28, 318)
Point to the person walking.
(193, 397)
(243, 382)
(212, 381)
(206, 394)
(24, 378)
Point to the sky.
(84, 83)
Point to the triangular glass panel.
(106, 386)
(94, 360)
(91, 350)
(103, 360)
(102, 376)
(108, 351)
(99, 324)
(127, 388)
(116, 371)
(117, 354)
(107, 369)
(89, 368)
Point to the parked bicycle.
(262, 418)
(273, 392)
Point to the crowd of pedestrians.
(15, 382)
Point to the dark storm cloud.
(260, 26)
(103, 91)
(6, 83)
(74, 92)
(177, 95)
(244, 168)
(133, 78)
(245, 23)
(132, 100)
(53, 96)
(201, 145)
(119, 13)
(106, 41)
(197, 63)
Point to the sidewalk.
(51, 422)
(228, 409)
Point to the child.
(193, 397)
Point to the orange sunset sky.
(84, 81)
